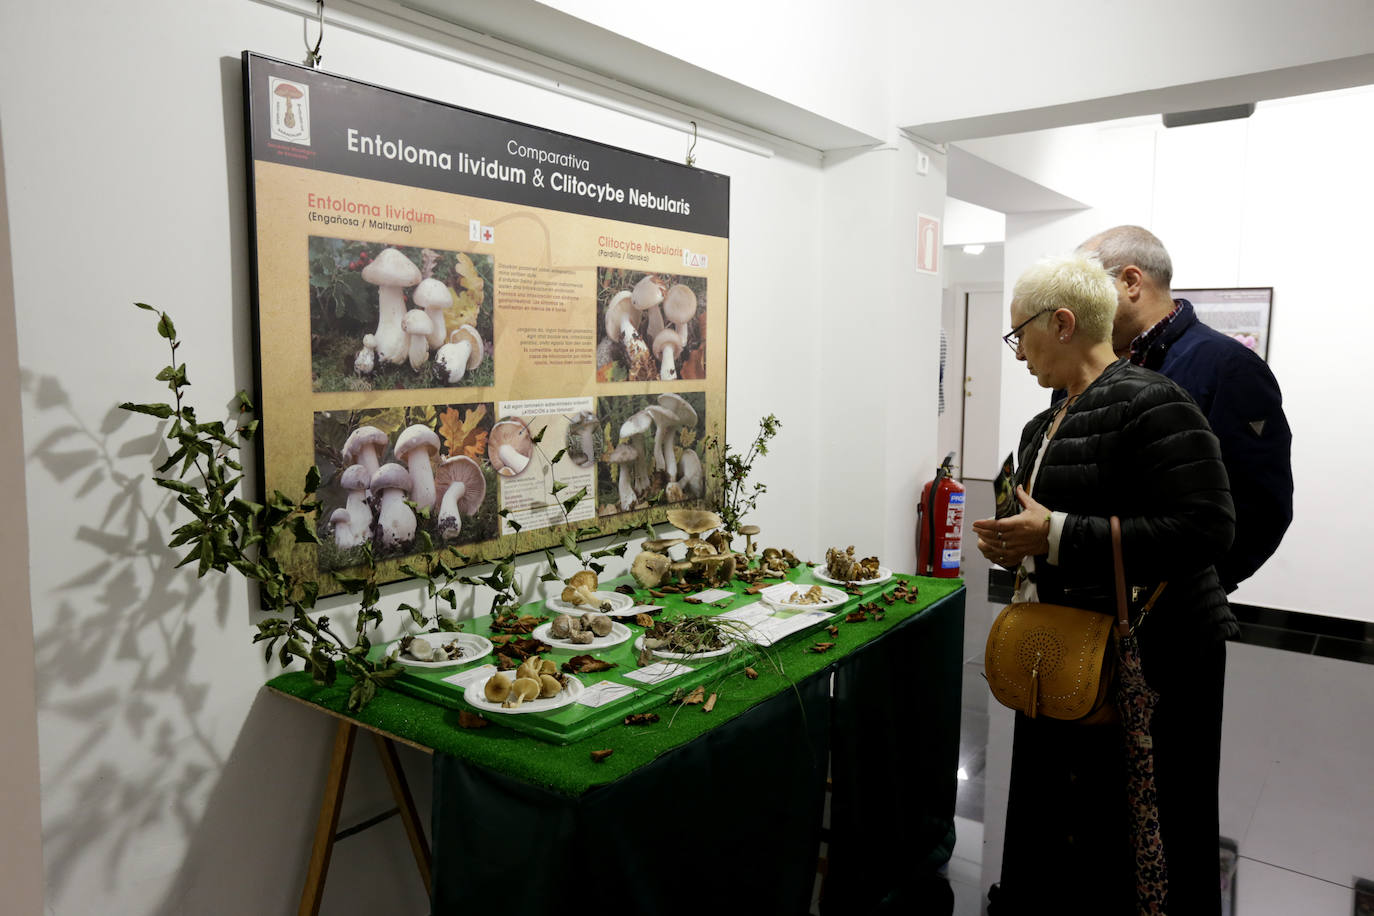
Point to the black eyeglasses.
(1013, 337)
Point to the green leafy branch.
(204, 470)
(738, 498)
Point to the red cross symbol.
(486, 233)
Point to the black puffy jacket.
(1135, 445)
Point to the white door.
(984, 317)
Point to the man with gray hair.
(1232, 385)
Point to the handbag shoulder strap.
(1123, 616)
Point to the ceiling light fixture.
(974, 249)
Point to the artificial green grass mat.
(568, 769)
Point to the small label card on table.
(712, 594)
(472, 677)
(658, 671)
(646, 608)
(603, 693)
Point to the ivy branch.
(204, 470)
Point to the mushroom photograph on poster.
(485, 337)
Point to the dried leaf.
(751, 674)
(642, 718)
(710, 704)
(471, 720)
(461, 431)
(857, 616)
(600, 756)
(644, 620)
(833, 630)
(587, 664)
(821, 647)
(696, 697)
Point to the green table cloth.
(740, 783)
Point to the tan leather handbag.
(1057, 661)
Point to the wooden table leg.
(400, 790)
(328, 824)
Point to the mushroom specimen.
(509, 447)
(749, 531)
(395, 521)
(416, 446)
(365, 446)
(649, 568)
(680, 307)
(356, 479)
(366, 360)
(497, 687)
(581, 589)
(583, 426)
(433, 296)
(625, 455)
(524, 688)
(622, 324)
(391, 272)
(694, 522)
(417, 326)
(462, 487)
(459, 356)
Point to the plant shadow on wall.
(122, 619)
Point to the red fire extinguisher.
(940, 524)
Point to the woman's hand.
(1008, 541)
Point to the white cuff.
(1057, 520)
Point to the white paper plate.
(664, 653)
(883, 575)
(777, 596)
(474, 647)
(566, 697)
(621, 605)
(619, 633)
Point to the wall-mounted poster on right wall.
(1243, 313)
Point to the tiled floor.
(1296, 792)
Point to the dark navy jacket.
(1241, 400)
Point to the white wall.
(1001, 56)
(1280, 199)
(170, 783)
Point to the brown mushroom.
(649, 568)
(497, 687)
(509, 447)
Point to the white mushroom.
(459, 356)
(417, 326)
(416, 447)
(356, 479)
(583, 426)
(665, 424)
(667, 345)
(622, 324)
(391, 272)
(624, 455)
(637, 424)
(692, 478)
(395, 521)
(680, 307)
(433, 296)
(463, 488)
(366, 360)
(343, 530)
(365, 446)
(686, 415)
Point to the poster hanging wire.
(691, 159)
(313, 55)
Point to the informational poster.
(1242, 313)
(485, 335)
